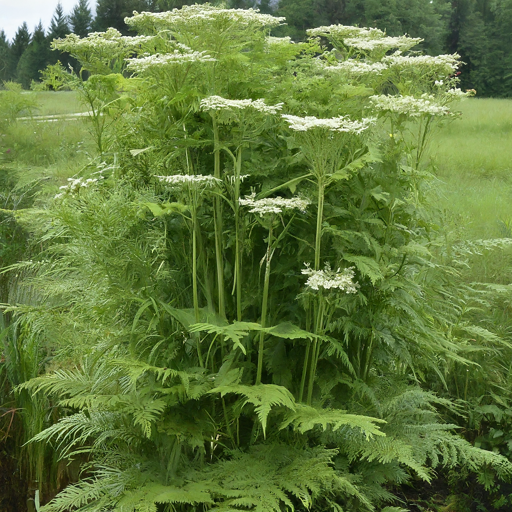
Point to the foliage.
(190, 356)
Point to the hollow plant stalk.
(264, 303)
(195, 293)
(217, 216)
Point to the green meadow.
(473, 158)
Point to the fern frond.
(262, 396)
(306, 418)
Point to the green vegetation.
(478, 30)
(213, 300)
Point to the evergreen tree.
(4, 56)
(59, 25)
(80, 19)
(111, 13)
(58, 29)
(19, 45)
(34, 59)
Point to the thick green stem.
(238, 255)
(217, 216)
(319, 220)
(304, 371)
(194, 280)
(319, 321)
(264, 304)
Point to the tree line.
(480, 31)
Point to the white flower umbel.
(219, 103)
(443, 65)
(186, 180)
(342, 31)
(457, 94)
(273, 205)
(409, 105)
(286, 41)
(382, 44)
(169, 59)
(203, 15)
(74, 185)
(327, 279)
(357, 68)
(335, 124)
(112, 39)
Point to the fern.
(263, 397)
(306, 418)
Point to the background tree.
(80, 19)
(19, 45)
(4, 56)
(34, 59)
(111, 13)
(59, 27)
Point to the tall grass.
(473, 158)
(474, 162)
(62, 102)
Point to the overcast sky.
(14, 12)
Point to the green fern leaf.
(262, 396)
(306, 418)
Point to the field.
(473, 156)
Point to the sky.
(14, 12)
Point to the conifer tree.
(19, 45)
(34, 59)
(111, 13)
(4, 56)
(58, 29)
(80, 19)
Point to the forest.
(243, 270)
(480, 31)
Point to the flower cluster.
(382, 44)
(442, 64)
(111, 40)
(458, 94)
(160, 60)
(219, 103)
(335, 124)
(414, 107)
(328, 279)
(279, 40)
(203, 14)
(187, 180)
(342, 31)
(74, 185)
(273, 205)
(358, 68)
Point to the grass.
(52, 151)
(473, 157)
(473, 161)
(53, 103)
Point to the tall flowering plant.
(279, 168)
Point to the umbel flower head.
(220, 103)
(328, 279)
(409, 105)
(442, 65)
(382, 44)
(191, 181)
(201, 16)
(357, 68)
(183, 55)
(111, 40)
(335, 124)
(74, 185)
(273, 205)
